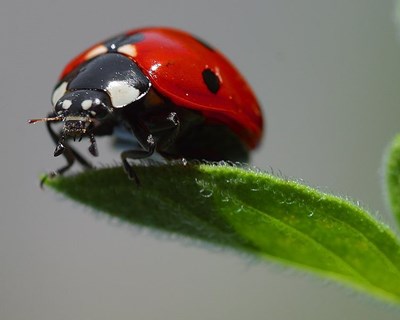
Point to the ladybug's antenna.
(30, 121)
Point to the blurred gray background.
(327, 73)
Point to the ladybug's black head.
(80, 111)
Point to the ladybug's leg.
(136, 154)
(166, 131)
(103, 128)
(146, 139)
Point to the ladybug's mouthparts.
(75, 126)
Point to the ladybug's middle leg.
(165, 131)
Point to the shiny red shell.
(174, 61)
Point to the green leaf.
(250, 212)
(393, 177)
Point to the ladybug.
(176, 94)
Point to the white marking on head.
(122, 94)
(128, 49)
(86, 104)
(96, 51)
(59, 92)
(66, 104)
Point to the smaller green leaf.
(393, 177)
(250, 212)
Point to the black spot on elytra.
(204, 43)
(211, 80)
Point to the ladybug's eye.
(62, 105)
(98, 109)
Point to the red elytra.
(174, 61)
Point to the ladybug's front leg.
(166, 130)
